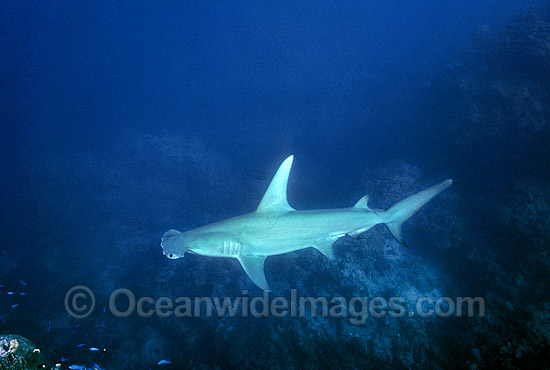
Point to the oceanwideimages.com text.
(80, 302)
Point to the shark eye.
(171, 255)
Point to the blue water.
(119, 121)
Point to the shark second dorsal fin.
(274, 199)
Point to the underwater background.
(121, 120)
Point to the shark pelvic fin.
(357, 232)
(274, 199)
(254, 268)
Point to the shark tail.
(394, 217)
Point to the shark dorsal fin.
(363, 203)
(274, 199)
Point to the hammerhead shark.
(276, 228)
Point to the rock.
(18, 353)
(497, 99)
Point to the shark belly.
(268, 236)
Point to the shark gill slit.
(231, 248)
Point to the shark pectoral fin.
(325, 246)
(254, 268)
(326, 250)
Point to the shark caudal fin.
(394, 217)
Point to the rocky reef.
(491, 108)
(494, 100)
(18, 353)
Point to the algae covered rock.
(18, 353)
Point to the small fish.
(10, 293)
(164, 362)
(77, 367)
(94, 349)
(96, 367)
(49, 326)
(23, 293)
(64, 359)
(22, 283)
(81, 345)
(15, 305)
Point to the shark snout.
(169, 252)
(171, 244)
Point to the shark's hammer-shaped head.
(174, 244)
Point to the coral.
(495, 103)
(527, 209)
(528, 38)
(388, 183)
(18, 353)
